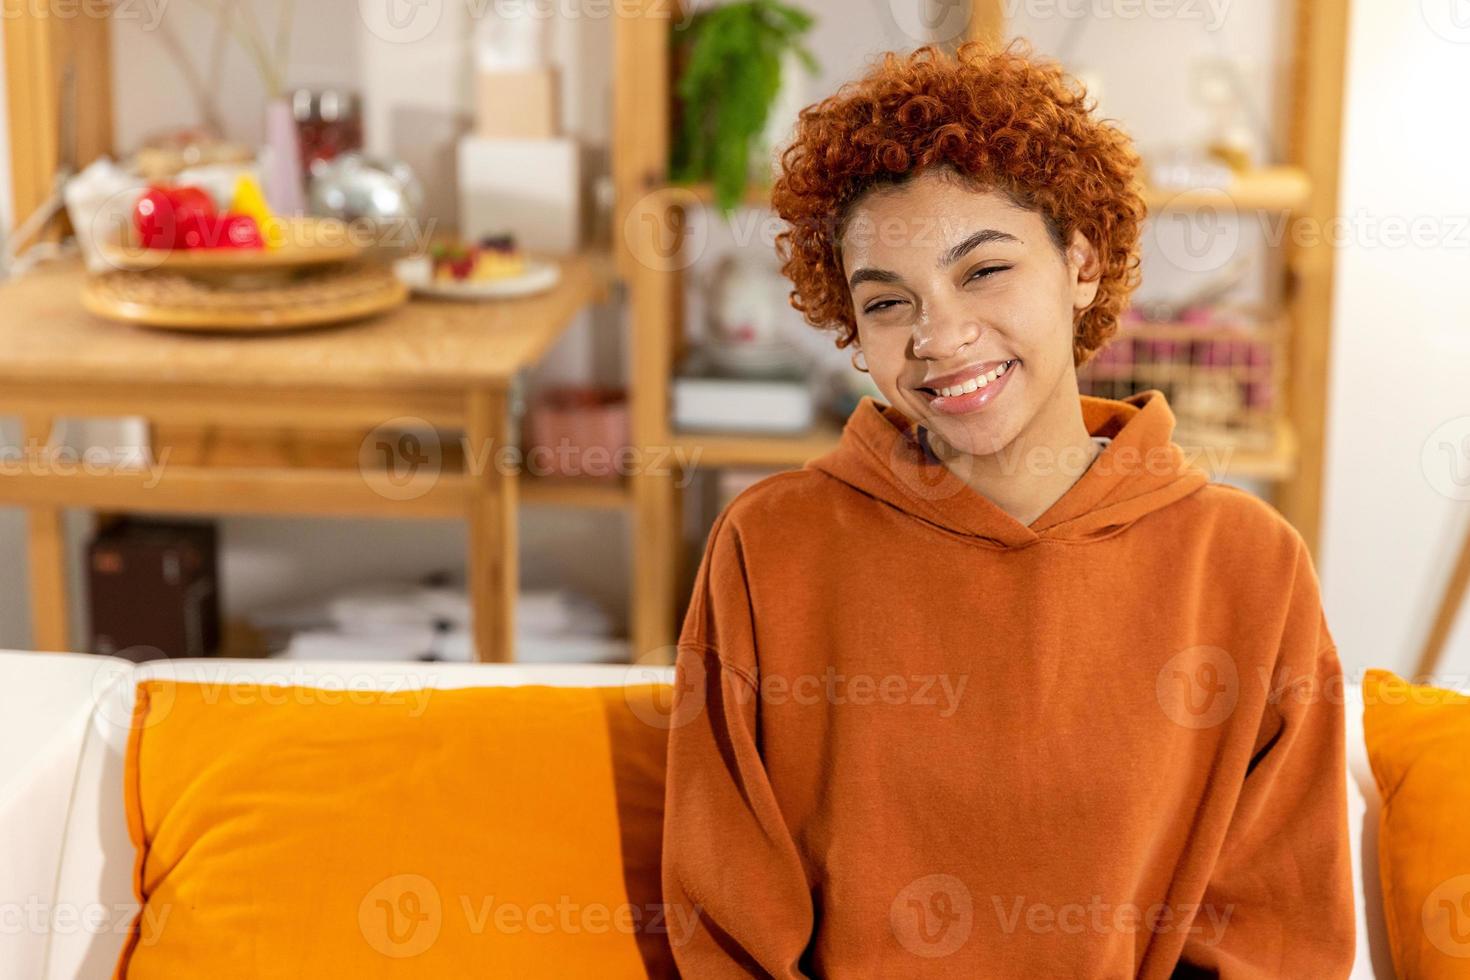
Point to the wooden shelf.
(1277, 462)
(1265, 189)
(703, 194)
(718, 449)
(713, 449)
(1275, 188)
(553, 491)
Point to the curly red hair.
(1002, 118)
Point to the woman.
(1002, 686)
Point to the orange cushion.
(1418, 741)
(482, 832)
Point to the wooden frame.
(40, 49)
(1315, 145)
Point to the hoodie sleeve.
(732, 876)
(1279, 903)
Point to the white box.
(705, 404)
(529, 187)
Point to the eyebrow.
(985, 236)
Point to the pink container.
(579, 432)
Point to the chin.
(977, 435)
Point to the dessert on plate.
(492, 257)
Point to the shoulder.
(783, 514)
(782, 502)
(1241, 515)
(1249, 545)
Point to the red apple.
(173, 217)
(153, 217)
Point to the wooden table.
(447, 364)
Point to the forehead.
(929, 215)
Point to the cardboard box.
(518, 104)
(531, 188)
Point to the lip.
(972, 401)
(963, 374)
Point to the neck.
(1034, 470)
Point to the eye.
(984, 273)
(881, 305)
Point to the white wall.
(1401, 354)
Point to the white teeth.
(974, 384)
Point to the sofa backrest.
(1364, 805)
(61, 798)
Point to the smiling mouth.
(955, 386)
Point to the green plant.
(733, 55)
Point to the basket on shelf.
(1222, 372)
(577, 431)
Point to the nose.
(944, 329)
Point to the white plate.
(417, 273)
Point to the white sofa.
(66, 862)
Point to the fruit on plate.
(249, 200)
(492, 257)
(163, 215)
(184, 217)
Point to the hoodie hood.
(883, 454)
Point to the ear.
(1085, 270)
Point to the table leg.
(494, 567)
(46, 552)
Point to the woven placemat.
(329, 294)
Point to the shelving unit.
(651, 228)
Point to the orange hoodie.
(913, 737)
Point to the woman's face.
(964, 307)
